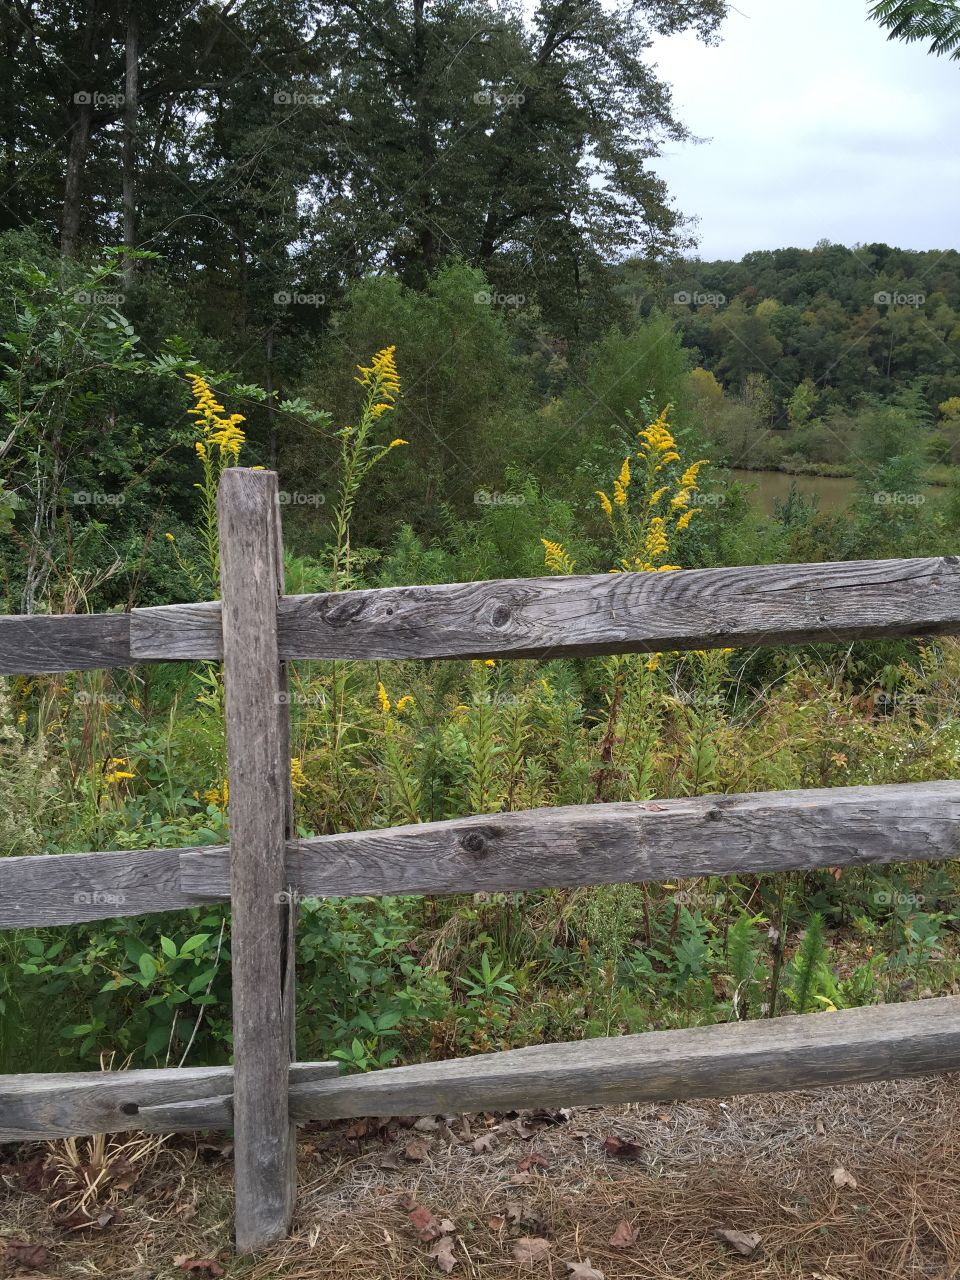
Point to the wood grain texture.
(618, 843)
(173, 632)
(39, 644)
(551, 617)
(619, 613)
(50, 1105)
(879, 1042)
(69, 888)
(259, 772)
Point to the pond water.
(834, 492)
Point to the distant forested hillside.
(854, 321)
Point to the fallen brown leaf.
(583, 1271)
(624, 1236)
(843, 1179)
(416, 1150)
(496, 1224)
(486, 1142)
(123, 1174)
(622, 1148)
(531, 1249)
(743, 1241)
(532, 1162)
(21, 1253)
(425, 1224)
(443, 1252)
(199, 1266)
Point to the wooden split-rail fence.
(255, 630)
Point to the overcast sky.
(816, 127)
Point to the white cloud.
(818, 126)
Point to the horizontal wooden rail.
(69, 888)
(606, 613)
(528, 617)
(877, 1042)
(619, 843)
(533, 849)
(36, 644)
(72, 1104)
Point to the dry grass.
(762, 1164)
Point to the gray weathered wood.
(618, 613)
(259, 772)
(617, 843)
(69, 888)
(879, 1042)
(199, 1113)
(37, 644)
(171, 632)
(537, 848)
(606, 613)
(41, 1107)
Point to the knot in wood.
(473, 842)
(500, 616)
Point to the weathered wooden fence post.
(258, 746)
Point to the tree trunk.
(73, 187)
(130, 148)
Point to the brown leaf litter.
(839, 1184)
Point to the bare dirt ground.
(840, 1184)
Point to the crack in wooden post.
(258, 750)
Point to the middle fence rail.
(265, 871)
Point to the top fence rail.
(527, 617)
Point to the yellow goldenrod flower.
(382, 698)
(652, 662)
(169, 537)
(115, 772)
(687, 517)
(657, 495)
(405, 703)
(489, 662)
(689, 478)
(656, 544)
(605, 502)
(298, 779)
(218, 796)
(394, 443)
(555, 558)
(681, 500)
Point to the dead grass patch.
(763, 1165)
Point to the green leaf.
(191, 944)
(168, 946)
(148, 966)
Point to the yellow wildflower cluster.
(381, 376)
(218, 796)
(662, 499)
(115, 771)
(298, 779)
(216, 433)
(406, 703)
(555, 558)
(359, 450)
